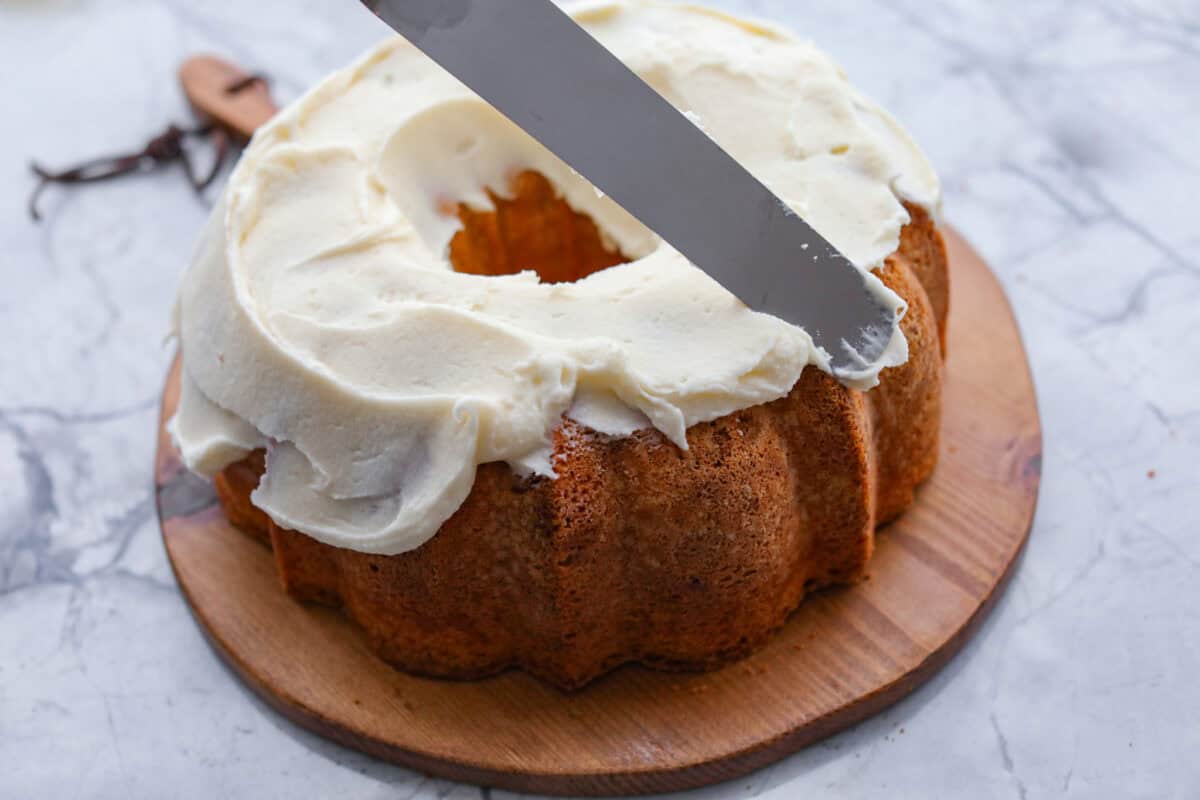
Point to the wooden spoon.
(228, 95)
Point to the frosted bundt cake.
(465, 397)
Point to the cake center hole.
(534, 229)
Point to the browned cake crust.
(639, 551)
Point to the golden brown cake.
(468, 400)
(639, 551)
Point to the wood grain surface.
(845, 655)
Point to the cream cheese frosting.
(321, 317)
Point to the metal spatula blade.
(550, 77)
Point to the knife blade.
(543, 71)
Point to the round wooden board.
(845, 655)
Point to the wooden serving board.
(845, 655)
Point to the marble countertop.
(1066, 135)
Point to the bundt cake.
(469, 400)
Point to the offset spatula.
(549, 76)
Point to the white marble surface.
(1067, 136)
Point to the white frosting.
(321, 318)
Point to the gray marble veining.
(1066, 134)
